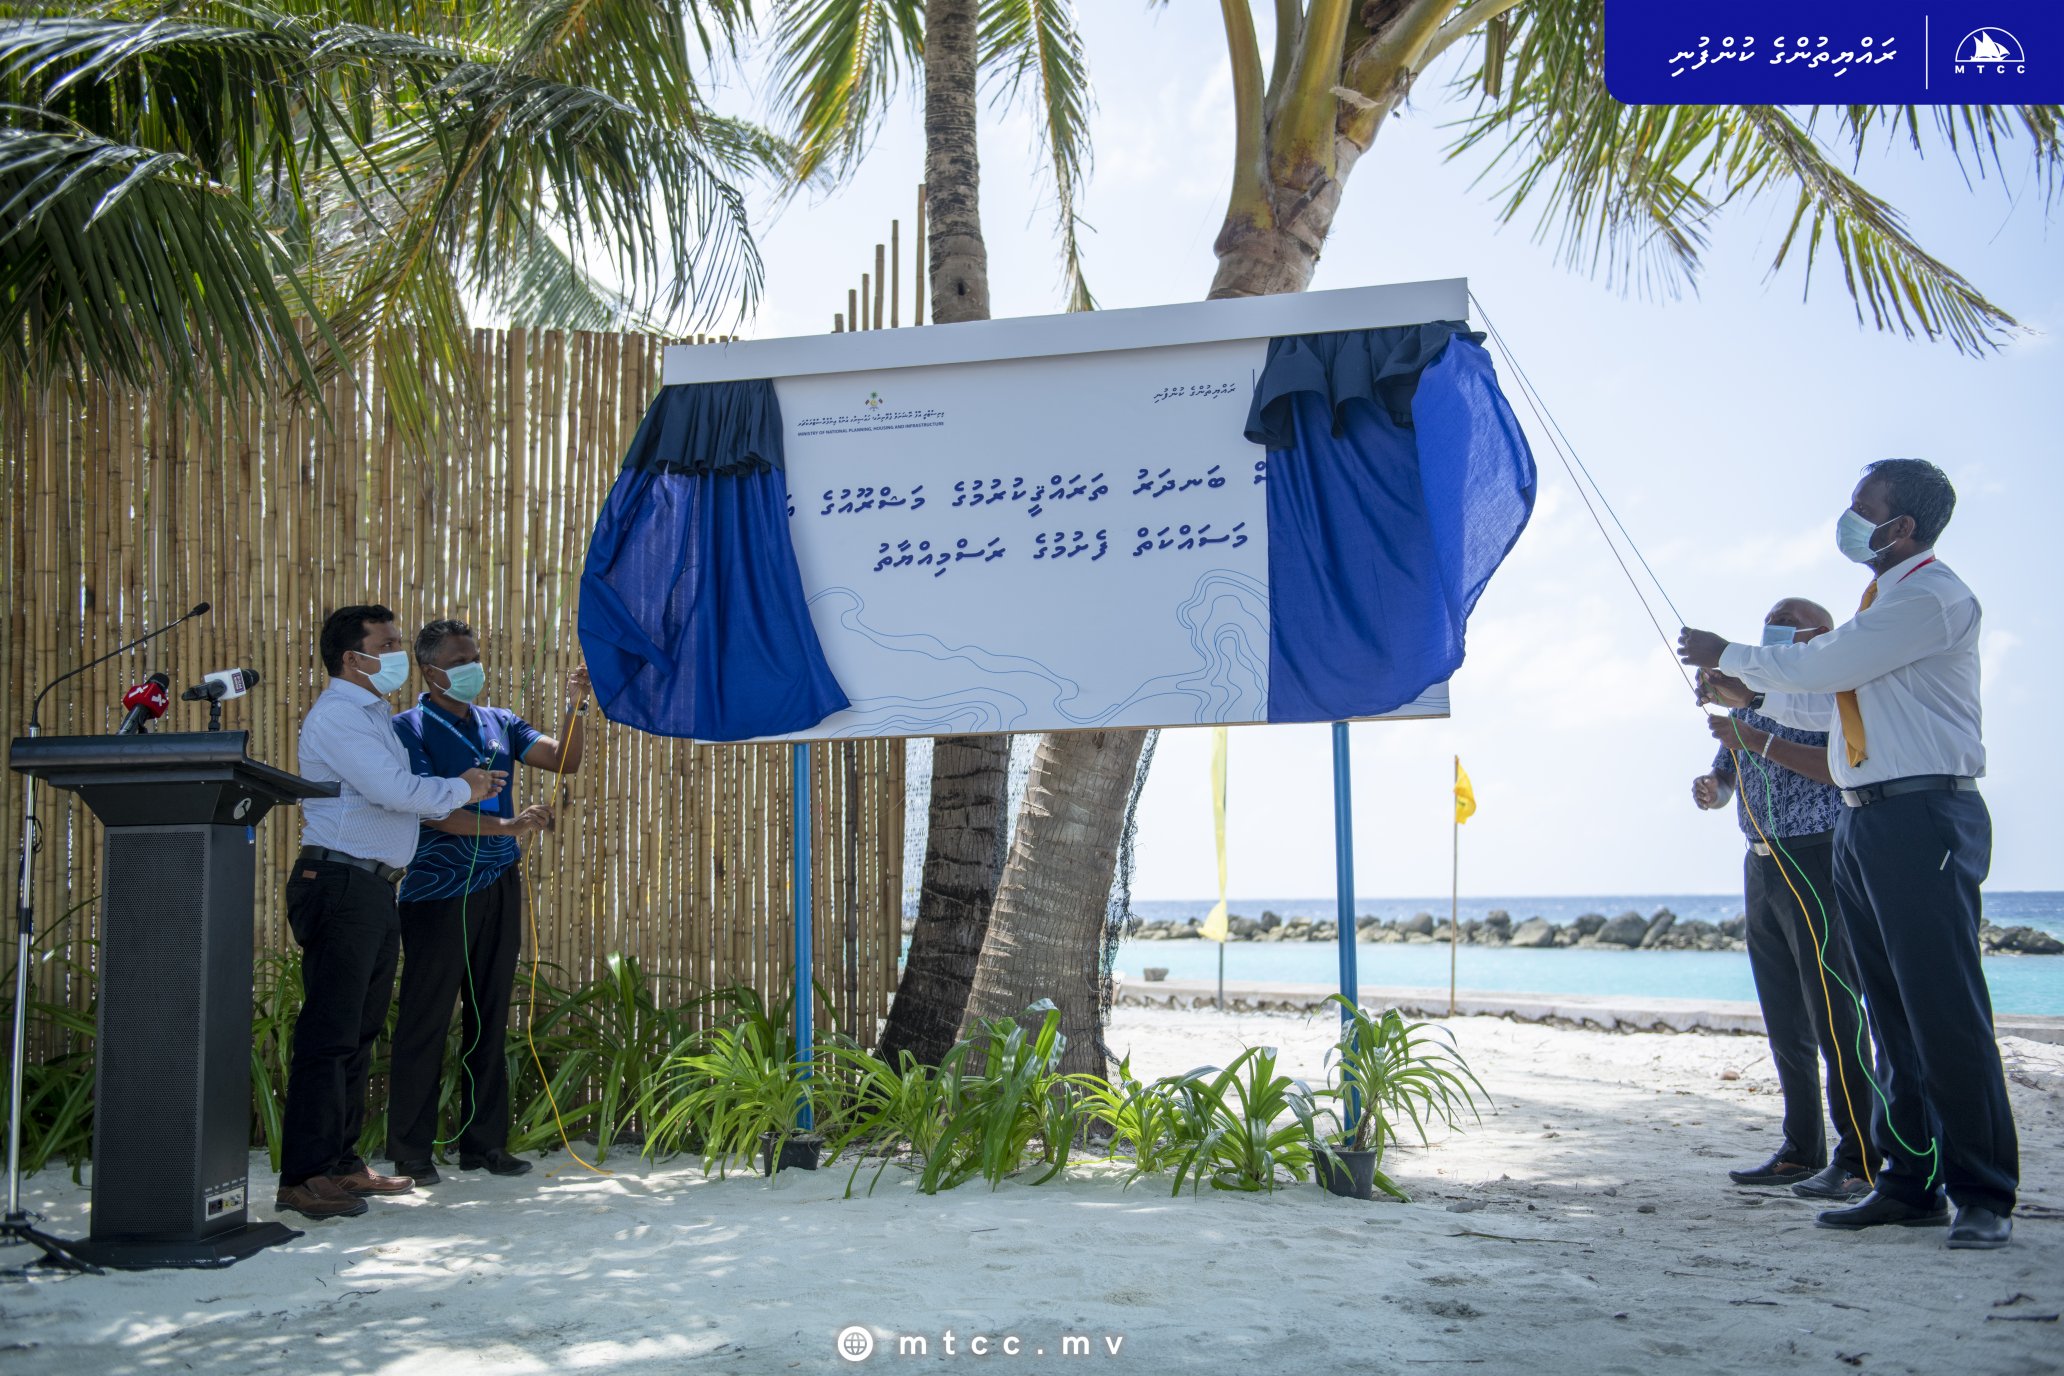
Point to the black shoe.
(1836, 1182)
(1776, 1171)
(1979, 1229)
(496, 1162)
(422, 1172)
(1875, 1210)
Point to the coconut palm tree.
(1629, 189)
(181, 183)
(838, 63)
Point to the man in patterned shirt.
(462, 906)
(1789, 896)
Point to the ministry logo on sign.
(1990, 52)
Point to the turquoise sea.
(2020, 984)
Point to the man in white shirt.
(1896, 688)
(340, 903)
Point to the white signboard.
(1064, 538)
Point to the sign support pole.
(1343, 872)
(805, 992)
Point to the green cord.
(466, 958)
(1934, 1151)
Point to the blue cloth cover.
(1398, 479)
(692, 614)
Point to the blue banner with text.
(1834, 52)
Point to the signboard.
(1042, 525)
(1834, 52)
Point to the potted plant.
(1383, 1070)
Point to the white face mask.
(1853, 534)
(1779, 635)
(392, 673)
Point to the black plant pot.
(799, 1152)
(1349, 1174)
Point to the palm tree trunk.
(970, 774)
(1046, 933)
(1047, 929)
(963, 856)
(953, 167)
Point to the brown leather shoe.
(318, 1197)
(364, 1182)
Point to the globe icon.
(855, 1343)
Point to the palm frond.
(1902, 285)
(836, 67)
(1631, 191)
(119, 262)
(1034, 49)
(545, 286)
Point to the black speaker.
(172, 1085)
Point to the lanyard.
(472, 747)
(1917, 568)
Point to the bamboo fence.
(122, 511)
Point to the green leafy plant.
(1018, 1113)
(733, 1087)
(1251, 1124)
(1021, 1110)
(1152, 1121)
(873, 1109)
(1386, 1071)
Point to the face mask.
(392, 673)
(1853, 536)
(466, 680)
(1778, 635)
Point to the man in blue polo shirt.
(462, 907)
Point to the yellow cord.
(537, 957)
(1819, 964)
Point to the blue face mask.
(392, 673)
(1778, 635)
(466, 680)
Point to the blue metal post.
(1343, 865)
(805, 991)
(1343, 879)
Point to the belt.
(358, 862)
(1915, 783)
(1811, 838)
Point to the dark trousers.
(463, 949)
(1810, 1015)
(344, 919)
(1907, 872)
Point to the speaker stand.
(209, 1253)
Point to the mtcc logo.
(1990, 52)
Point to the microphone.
(221, 686)
(146, 702)
(35, 726)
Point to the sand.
(1588, 1226)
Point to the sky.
(1726, 424)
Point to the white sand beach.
(1586, 1227)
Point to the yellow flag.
(1465, 795)
(1216, 927)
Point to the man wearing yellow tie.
(1896, 688)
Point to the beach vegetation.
(1385, 1072)
(1252, 1124)
(210, 197)
(732, 1089)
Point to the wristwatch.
(1756, 703)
